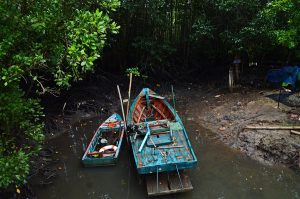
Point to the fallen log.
(273, 127)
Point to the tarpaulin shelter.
(285, 76)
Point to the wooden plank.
(169, 183)
(159, 111)
(162, 139)
(295, 132)
(175, 182)
(273, 127)
(156, 96)
(151, 123)
(151, 180)
(140, 116)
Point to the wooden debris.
(295, 132)
(223, 128)
(170, 147)
(273, 127)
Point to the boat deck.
(170, 156)
(159, 141)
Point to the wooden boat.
(106, 143)
(158, 138)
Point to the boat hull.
(99, 162)
(176, 156)
(98, 159)
(161, 167)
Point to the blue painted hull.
(159, 159)
(92, 161)
(89, 162)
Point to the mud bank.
(221, 172)
(227, 114)
(215, 108)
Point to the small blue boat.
(106, 143)
(158, 138)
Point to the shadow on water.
(221, 171)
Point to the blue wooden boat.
(158, 138)
(106, 143)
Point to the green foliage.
(284, 21)
(21, 130)
(134, 71)
(86, 38)
(202, 28)
(45, 46)
(153, 54)
(10, 75)
(149, 28)
(14, 168)
(160, 33)
(232, 24)
(55, 39)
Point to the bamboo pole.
(273, 127)
(129, 91)
(122, 106)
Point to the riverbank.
(213, 107)
(229, 172)
(227, 114)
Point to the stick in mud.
(65, 169)
(129, 91)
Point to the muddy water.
(221, 171)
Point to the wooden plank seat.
(152, 123)
(159, 140)
(156, 127)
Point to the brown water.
(221, 171)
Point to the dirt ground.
(227, 114)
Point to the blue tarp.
(286, 76)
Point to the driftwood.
(273, 127)
(295, 132)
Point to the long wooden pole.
(122, 106)
(129, 91)
(173, 97)
(295, 132)
(273, 127)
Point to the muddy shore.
(212, 108)
(224, 113)
(227, 114)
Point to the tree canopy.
(174, 34)
(45, 46)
